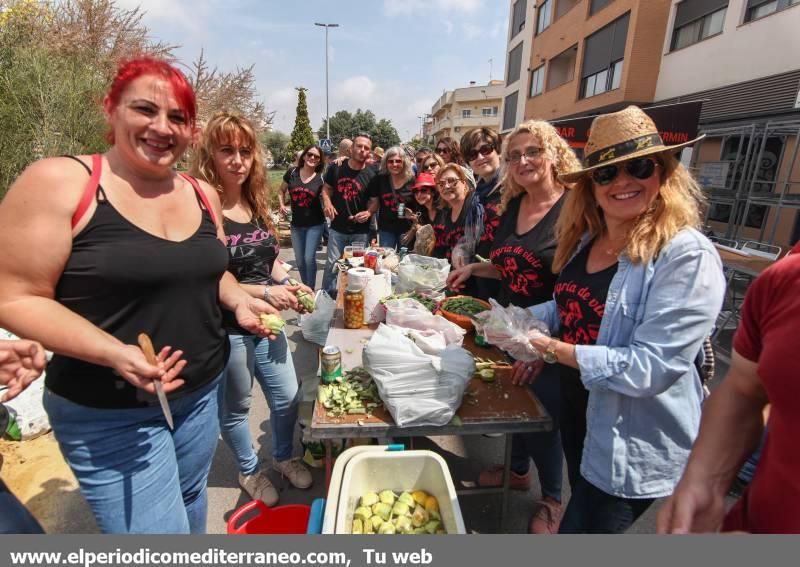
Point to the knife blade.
(150, 354)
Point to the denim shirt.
(644, 388)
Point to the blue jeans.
(336, 243)
(305, 241)
(543, 447)
(270, 362)
(136, 474)
(592, 511)
(389, 239)
(15, 519)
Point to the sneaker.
(494, 477)
(259, 487)
(546, 518)
(295, 471)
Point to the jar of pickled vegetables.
(354, 308)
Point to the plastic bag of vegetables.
(511, 329)
(422, 272)
(416, 388)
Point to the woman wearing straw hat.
(638, 291)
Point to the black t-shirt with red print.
(448, 232)
(581, 299)
(525, 260)
(389, 198)
(252, 251)
(349, 195)
(304, 197)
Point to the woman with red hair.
(116, 245)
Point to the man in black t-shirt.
(346, 203)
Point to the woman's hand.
(526, 372)
(130, 363)
(248, 315)
(284, 297)
(408, 236)
(285, 210)
(411, 215)
(362, 217)
(21, 362)
(457, 279)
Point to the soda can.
(331, 364)
(401, 210)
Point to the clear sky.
(395, 57)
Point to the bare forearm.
(485, 270)
(730, 431)
(59, 329)
(231, 293)
(326, 195)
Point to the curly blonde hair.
(676, 207)
(224, 128)
(555, 148)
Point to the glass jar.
(354, 308)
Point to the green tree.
(302, 135)
(277, 143)
(346, 125)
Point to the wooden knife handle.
(147, 348)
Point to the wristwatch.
(267, 294)
(549, 354)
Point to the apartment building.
(740, 57)
(459, 110)
(577, 57)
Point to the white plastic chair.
(726, 242)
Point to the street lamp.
(327, 107)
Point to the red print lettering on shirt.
(302, 197)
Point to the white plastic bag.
(422, 272)
(315, 326)
(432, 333)
(416, 388)
(511, 329)
(379, 286)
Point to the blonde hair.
(555, 149)
(224, 128)
(676, 207)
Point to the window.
(597, 5)
(695, 20)
(561, 68)
(564, 6)
(544, 16)
(537, 81)
(510, 111)
(466, 113)
(759, 8)
(518, 16)
(489, 111)
(514, 64)
(603, 58)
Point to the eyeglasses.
(421, 189)
(442, 150)
(639, 168)
(313, 156)
(394, 161)
(430, 165)
(449, 182)
(531, 153)
(484, 150)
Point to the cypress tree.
(302, 135)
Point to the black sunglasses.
(484, 150)
(639, 168)
(442, 150)
(429, 166)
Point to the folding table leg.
(328, 463)
(506, 480)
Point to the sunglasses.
(449, 182)
(484, 150)
(313, 156)
(394, 161)
(638, 168)
(442, 150)
(429, 166)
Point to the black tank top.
(127, 281)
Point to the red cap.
(424, 180)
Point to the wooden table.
(497, 407)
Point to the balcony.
(445, 100)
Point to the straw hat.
(620, 136)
